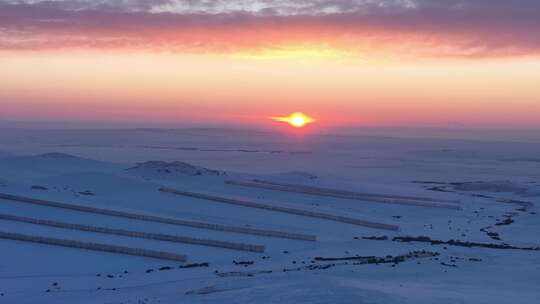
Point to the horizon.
(426, 132)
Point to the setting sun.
(297, 120)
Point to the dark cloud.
(470, 27)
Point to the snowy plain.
(496, 181)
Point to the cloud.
(454, 28)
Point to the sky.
(464, 63)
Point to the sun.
(297, 120)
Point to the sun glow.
(297, 120)
(294, 52)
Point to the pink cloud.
(476, 28)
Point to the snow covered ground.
(497, 183)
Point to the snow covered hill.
(483, 251)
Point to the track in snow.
(164, 220)
(365, 197)
(299, 212)
(136, 234)
(94, 246)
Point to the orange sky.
(223, 71)
(126, 86)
